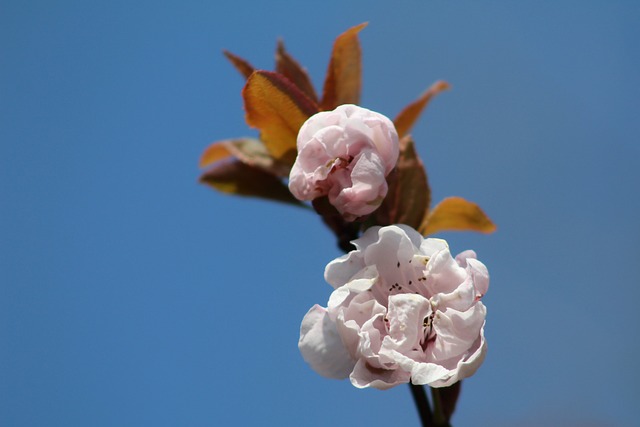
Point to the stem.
(422, 405)
(439, 417)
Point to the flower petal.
(480, 275)
(365, 375)
(444, 274)
(321, 345)
(342, 269)
(428, 373)
(406, 316)
(456, 331)
(468, 365)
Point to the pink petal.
(456, 331)
(365, 375)
(321, 346)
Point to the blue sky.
(130, 295)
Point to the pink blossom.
(345, 154)
(403, 309)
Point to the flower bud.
(345, 154)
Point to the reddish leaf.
(241, 65)
(291, 69)
(249, 151)
(235, 177)
(409, 195)
(278, 108)
(408, 116)
(343, 81)
(456, 214)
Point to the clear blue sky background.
(132, 296)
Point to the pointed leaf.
(214, 153)
(409, 194)
(343, 81)
(291, 69)
(241, 65)
(456, 214)
(249, 151)
(235, 177)
(410, 114)
(278, 108)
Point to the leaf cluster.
(278, 102)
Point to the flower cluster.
(403, 309)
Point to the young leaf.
(408, 116)
(291, 69)
(249, 151)
(278, 108)
(214, 153)
(409, 194)
(343, 81)
(241, 65)
(456, 214)
(235, 177)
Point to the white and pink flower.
(403, 309)
(345, 154)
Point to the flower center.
(339, 163)
(407, 277)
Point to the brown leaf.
(249, 151)
(291, 69)
(408, 116)
(235, 177)
(241, 65)
(343, 81)
(456, 214)
(278, 108)
(409, 194)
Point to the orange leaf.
(408, 116)
(249, 151)
(278, 108)
(241, 65)
(291, 69)
(214, 153)
(343, 81)
(409, 195)
(456, 214)
(235, 177)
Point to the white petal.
(462, 257)
(443, 273)
(365, 375)
(321, 346)
(431, 246)
(467, 365)
(480, 275)
(342, 269)
(393, 247)
(368, 237)
(406, 315)
(457, 331)
(461, 299)
(428, 373)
